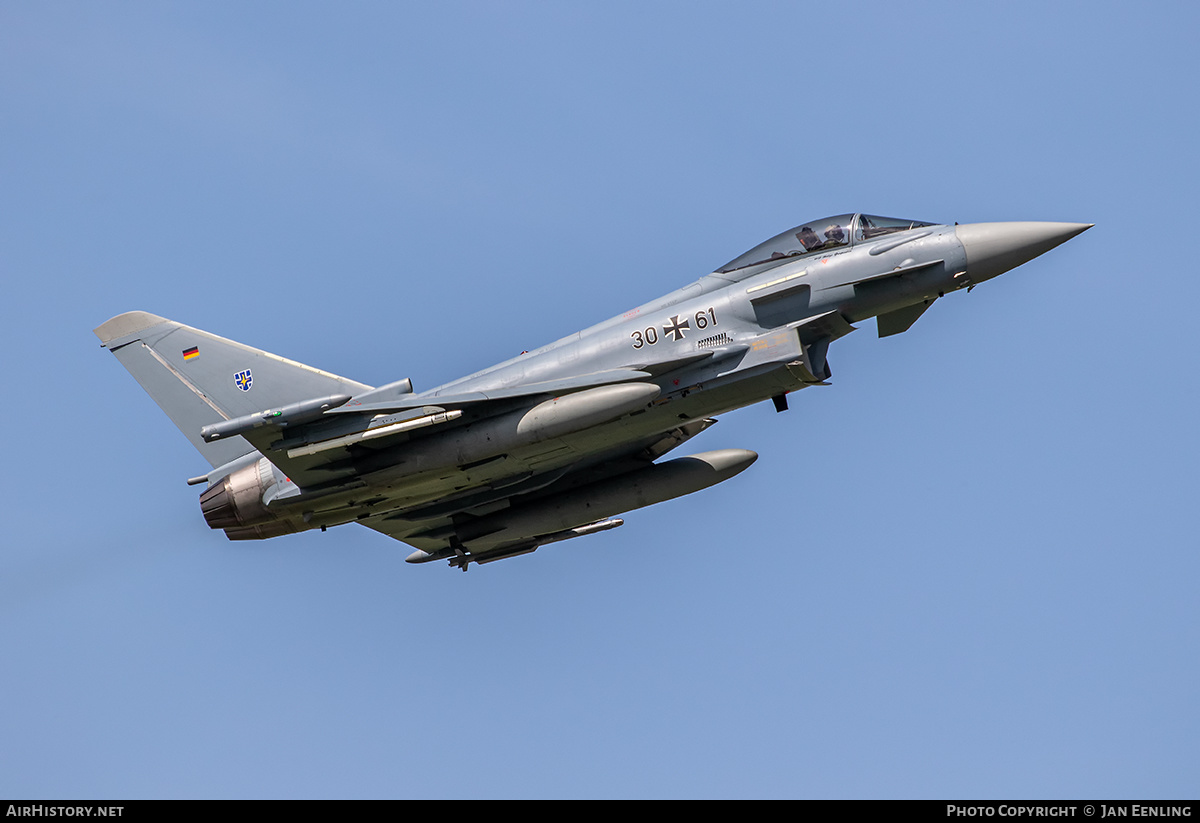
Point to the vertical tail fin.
(198, 378)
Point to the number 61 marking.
(649, 335)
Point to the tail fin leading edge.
(198, 378)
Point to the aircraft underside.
(510, 502)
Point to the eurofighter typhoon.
(557, 442)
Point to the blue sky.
(967, 569)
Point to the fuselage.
(727, 308)
(724, 342)
(754, 330)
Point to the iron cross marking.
(676, 328)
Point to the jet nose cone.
(994, 248)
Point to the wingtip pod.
(994, 248)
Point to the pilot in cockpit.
(809, 239)
(835, 235)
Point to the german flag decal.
(188, 354)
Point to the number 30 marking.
(649, 335)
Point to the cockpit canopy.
(820, 236)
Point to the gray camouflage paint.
(545, 446)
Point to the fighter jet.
(555, 443)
